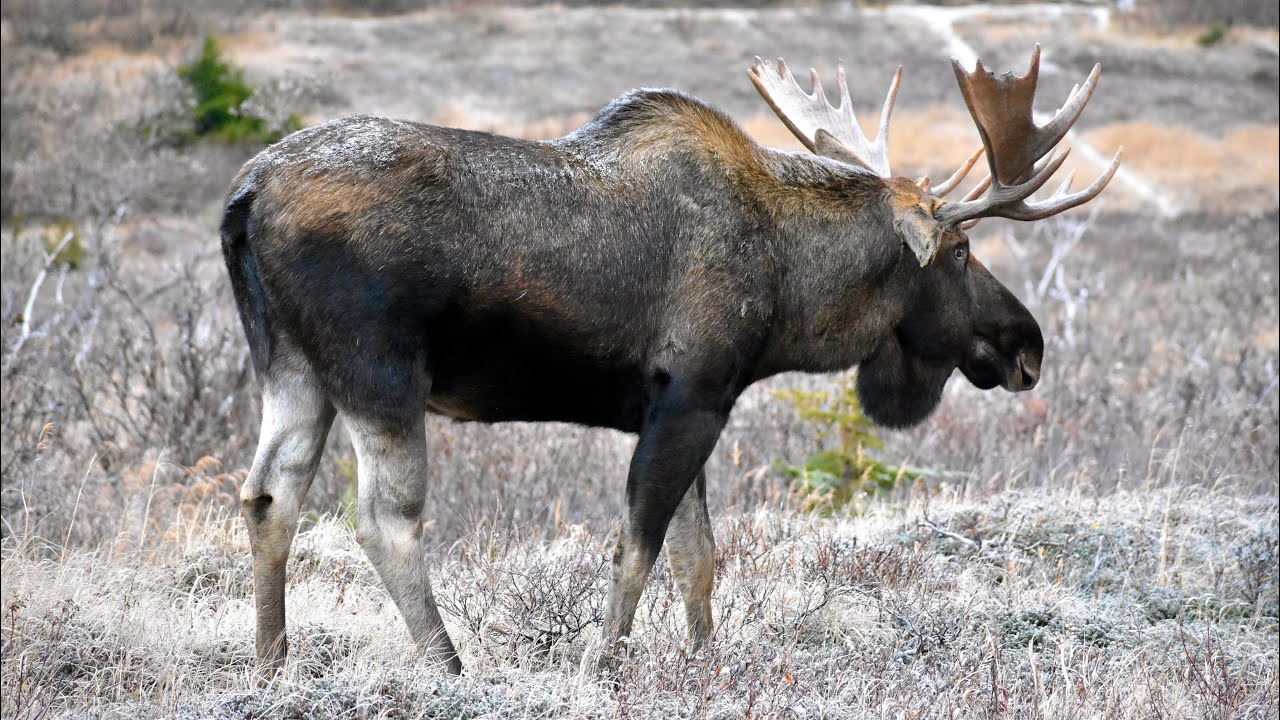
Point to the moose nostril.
(1030, 367)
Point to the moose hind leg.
(392, 461)
(691, 550)
(296, 418)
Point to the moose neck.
(835, 250)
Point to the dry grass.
(1138, 31)
(1056, 604)
(1235, 173)
(545, 129)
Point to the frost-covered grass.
(1023, 604)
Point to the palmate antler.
(1002, 110)
(829, 131)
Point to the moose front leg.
(681, 429)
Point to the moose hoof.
(614, 652)
(454, 665)
(269, 670)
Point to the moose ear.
(827, 145)
(921, 233)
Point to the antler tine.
(1059, 202)
(841, 83)
(974, 194)
(1065, 186)
(810, 116)
(978, 189)
(1010, 203)
(770, 82)
(1002, 199)
(958, 175)
(886, 112)
(815, 85)
(1060, 125)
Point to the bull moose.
(638, 274)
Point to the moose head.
(955, 313)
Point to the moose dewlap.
(638, 274)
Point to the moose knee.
(255, 508)
(270, 526)
(395, 535)
(389, 518)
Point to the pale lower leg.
(392, 490)
(631, 564)
(691, 551)
(295, 421)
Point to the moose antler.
(956, 177)
(1002, 109)
(826, 130)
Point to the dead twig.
(927, 523)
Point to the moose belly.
(496, 368)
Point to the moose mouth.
(986, 368)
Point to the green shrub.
(845, 467)
(1213, 34)
(71, 252)
(220, 93)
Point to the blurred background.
(126, 376)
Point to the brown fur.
(333, 204)
(780, 184)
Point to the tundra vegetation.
(1103, 546)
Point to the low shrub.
(843, 467)
(220, 94)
